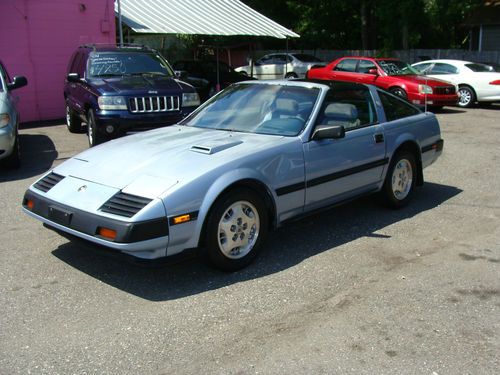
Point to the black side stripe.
(438, 146)
(330, 177)
(290, 188)
(346, 172)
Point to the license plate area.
(60, 216)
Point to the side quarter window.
(396, 108)
(351, 108)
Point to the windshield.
(397, 68)
(106, 64)
(306, 58)
(254, 108)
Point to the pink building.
(36, 40)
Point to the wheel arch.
(250, 183)
(412, 146)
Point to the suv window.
(352, 108)
(123, 63)
(396, 108)
(440, 68)
(347, 65)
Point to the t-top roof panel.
(203, 17)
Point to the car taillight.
(496, 82)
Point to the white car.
(476, 82)
(281, 65)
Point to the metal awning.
(203, 17)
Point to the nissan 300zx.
(251, 158)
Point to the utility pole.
(120, 29)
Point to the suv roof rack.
(94, 46)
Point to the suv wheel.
(95, 137)
(73, 121)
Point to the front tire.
(400, 181)
(291, 76)
(398, 91)
(236, 228)
(95, 137)
(467, 97)
(14, 159)
(73, 121)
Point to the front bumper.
(124, 121)
(7, 140)
(145, 239)
(433, 99)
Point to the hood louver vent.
(48, 182)
(123, 204)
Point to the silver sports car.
(254, 156)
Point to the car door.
(338, 169)
(76, 90)
(263, 67)
(345, 70)
(363, 69)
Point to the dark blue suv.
(118, 89)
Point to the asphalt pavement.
(359, 289)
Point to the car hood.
(149, 163)
(422, 80)
(146, 84)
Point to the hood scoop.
(214, 147)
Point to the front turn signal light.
(107, 233)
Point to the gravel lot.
(356, 290)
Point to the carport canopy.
(202, 17)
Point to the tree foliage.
(371, 24)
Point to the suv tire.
(73, 121)
(95, 136)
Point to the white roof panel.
(204, 17)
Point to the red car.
(392, 75)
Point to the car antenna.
(425, 96)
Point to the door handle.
(379, 138)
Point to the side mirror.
(373, 71)
(328, 132)
(19, 81)
(181, 74)
(73, 77)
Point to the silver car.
(251, 158)
(9, 119)
(281, 65)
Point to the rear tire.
(401, 179)
(95, 137)
(291, 76)
(467, 96)
(73, 121)
(236, 228)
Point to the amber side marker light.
(107, 233)
(181, 219)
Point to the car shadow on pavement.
(38, 152)
(447, 110)
(285, 248)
